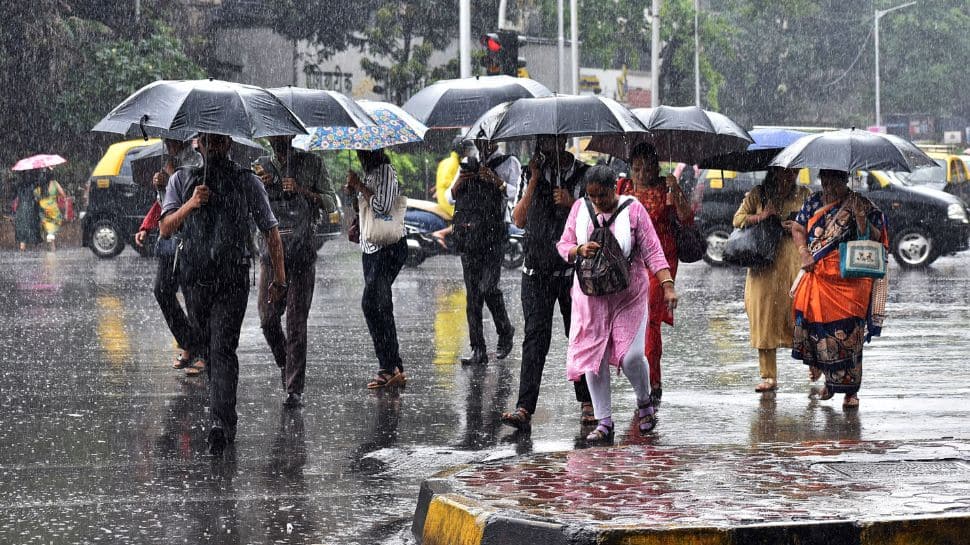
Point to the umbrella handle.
(141, 125)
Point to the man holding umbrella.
(555, 182)
(211, 207)
(298, 189)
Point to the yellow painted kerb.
(673, 536)
(451, 520)
(920, 531)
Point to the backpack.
(608, 271)
(479, 218)
(215, 238)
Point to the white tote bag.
(382, 229)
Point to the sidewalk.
(834, 493)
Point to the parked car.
(924, 223)
(952, 174)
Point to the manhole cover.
(897, 470)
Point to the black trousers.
(166, 286)
(216, 311)
(540, 293)
(380, 271)
(482, 271)
(289, 348)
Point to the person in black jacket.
(555, 182)
(480, 193)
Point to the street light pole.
(876, 16)
(464, 38)
(655, 54)
(697, 56)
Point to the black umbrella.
(211, 106)
(685, 134)
(562, 115)
(852, 150)
(457, 103)
(321, 108)
(767, 144)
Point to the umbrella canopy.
(321, 108)
(211, 106)
(457, 103)
(852, 150)
(562, 115)
(393, 126)
(35, 162)
(767, 144)
(685, 134)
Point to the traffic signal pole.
(464, 38)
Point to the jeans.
(540, 293)
(380, 271)
(166, 286)
(216, 312)
(482, 271)
(426, 221)
(289, 349)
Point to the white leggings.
(634, 367)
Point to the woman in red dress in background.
(666, 204)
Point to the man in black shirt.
(555, 182)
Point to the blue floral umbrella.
(393, 127)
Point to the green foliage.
(415, 170)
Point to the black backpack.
(215, 238)
(608, 271)
(479, 218)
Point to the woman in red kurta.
(666, 204)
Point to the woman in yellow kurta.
(766, 298)
(51, 217)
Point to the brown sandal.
(386, 379)
(766, 385)
(195, 369)
(821, 393)
(587, 416)
(519, 419)
(851, 401)
(814, 373)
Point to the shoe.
(519, 419)
(766, 385)
(587, 416)
(505, 346)
(293, 401)
(851, 402)
(218, 439)
(478, 357)
(387, 379)
(603, 434)
(646, 417)
(195, 369)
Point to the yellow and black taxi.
(951, 174)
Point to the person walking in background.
(836, 316)
(381, 266)
(766, 290)
(555, 182)
(611, 329)
(481, 194)
(51, 217)
(299, 189)
(667, 205)
(179, 154)
(27, 214)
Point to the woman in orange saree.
(835, 316)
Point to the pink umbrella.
(39, 161)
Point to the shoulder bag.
(382, 229)
(862, 258)
(754, 246)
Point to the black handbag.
(754, 246)
(691, 245)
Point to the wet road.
(102, 442)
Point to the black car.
(924, 223)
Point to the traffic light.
(502, 53)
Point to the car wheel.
(913, 249)
(106, 239)
(514, 255)
(716, 239)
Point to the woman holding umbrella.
(27, 216)
(835, 316)
(47, 196)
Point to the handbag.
(691, 244)
(862, 258)
(66, 205)
(382, 229)
(754, 246)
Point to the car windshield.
(924, 176)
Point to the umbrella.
(561, 115)
(211, 106)
(767, 144)
(457, 103)
(852, 150)
(321, 108)
(35, 162)
(685, 134)
(394, 126)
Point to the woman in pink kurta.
(609, 330)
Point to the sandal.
(587, 416)
(814, 373)
(646, 418)
(386, 379)
(519, 419)
(195, 369)
(851, 401)
(603, 432)
(181, 362)
(822, 393)
(766, 385)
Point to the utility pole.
(574, 31)
(464, 38)
(502, 5)
(562, 50)
(876, 16)
(655, 54)
(697, 55)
